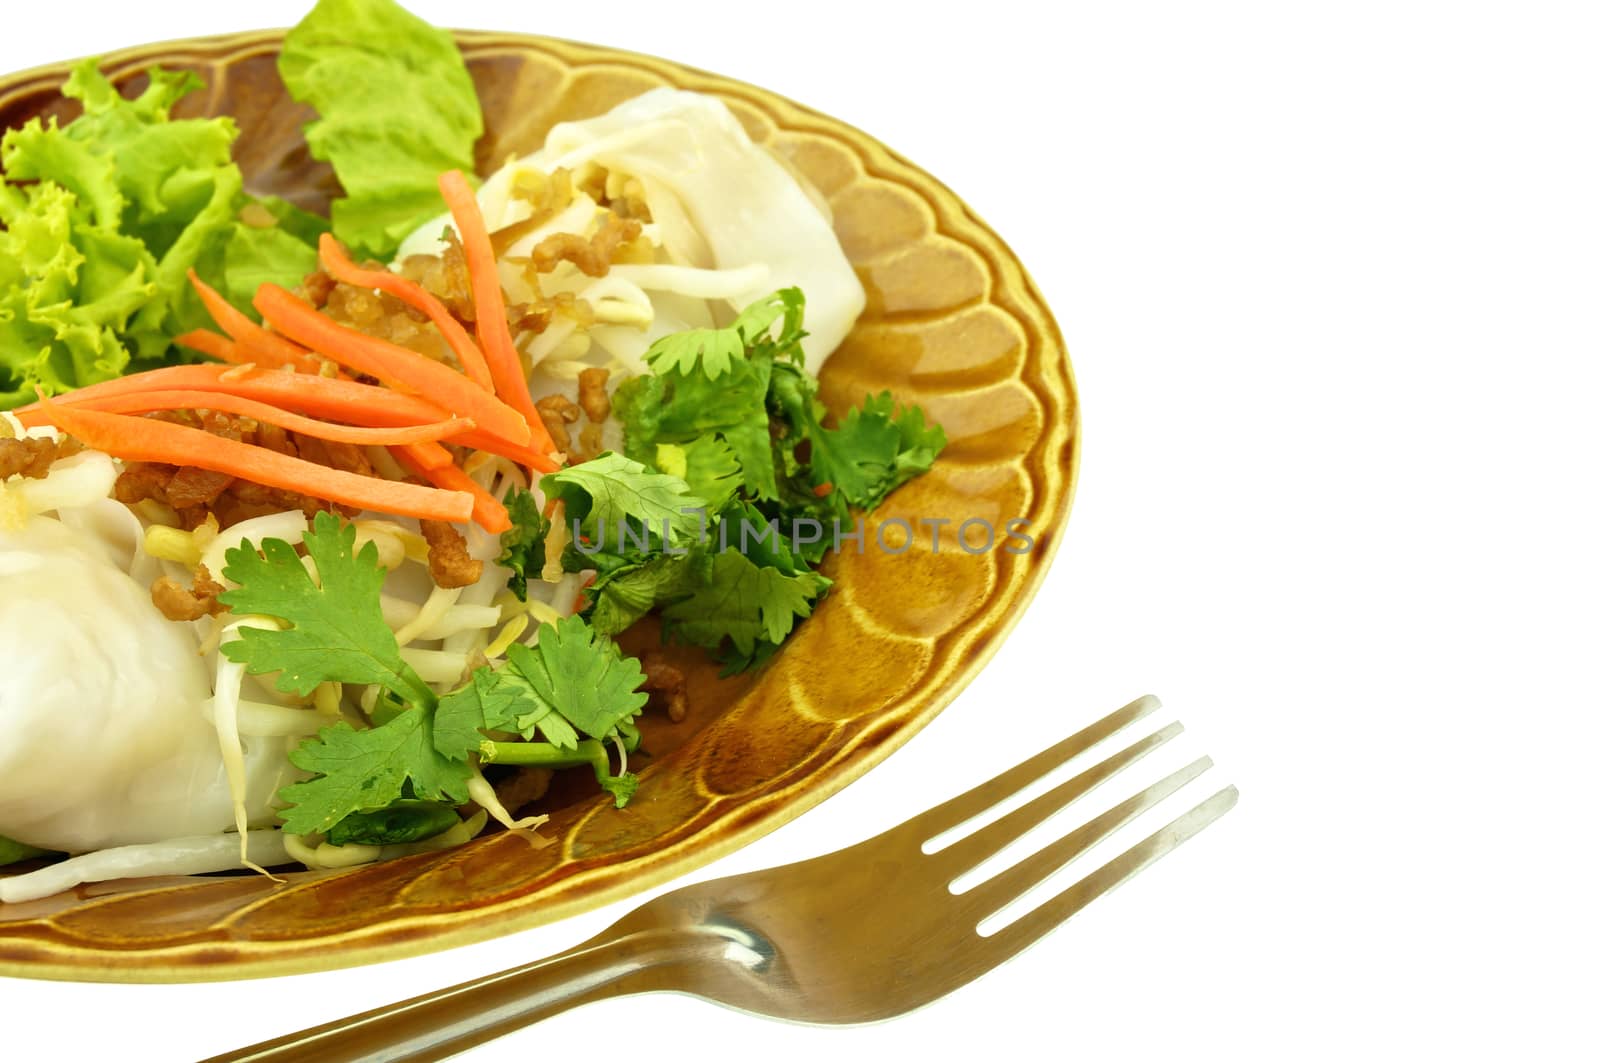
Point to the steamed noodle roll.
(103, 736)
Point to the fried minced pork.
(382, 315)
(545, 195)
(522, 787)
(592, 394)
(446, 276)
(667, 684)
(591, 255)
(32, 456)
(180, 603)
(194, 493)
(316, 288)
(558, 411)
(448, 561)
(615, 191)
(536, 316)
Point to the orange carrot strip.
(520, 455)
(485, 516)
(430, 455)
(338, 263)
(146, 439)
(210, 343)
(316, 396)
(390, 363)
(225, 402)
(504, 364)
(262, 349)
(260, 345)
(408, 460)
(486, 509)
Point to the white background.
(1328, 274)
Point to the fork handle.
(441, 1024)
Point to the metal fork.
(864, 933)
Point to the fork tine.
(958, 810)
(977, 847)
(1025, 931)
(992, 894)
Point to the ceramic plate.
(952, 322)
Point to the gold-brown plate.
(953, 322)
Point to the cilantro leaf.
(713, 351)
(364, 771)
(522, 546)
(681, 409)
(620, 787)
(573, 680)
(608, 490)
(580, 675)
(754, 324)
(733, 413)
(402, 822)
(876, 448)
(336, 631)
(706, 464)
(743, 603)
(710, 349)
(633, 591)
(498, 700)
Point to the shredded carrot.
(429, 455)
(315, 396)
(391, 363)
(146, 439)
(486, 509)
(493, 334)
(521, 455)
(256, 343)
(338, 263)
(213, 344)
(226, 402)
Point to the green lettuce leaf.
(67, 293)
(396, 108)
(119, 205)
(256, 256)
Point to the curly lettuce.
(103, 217)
